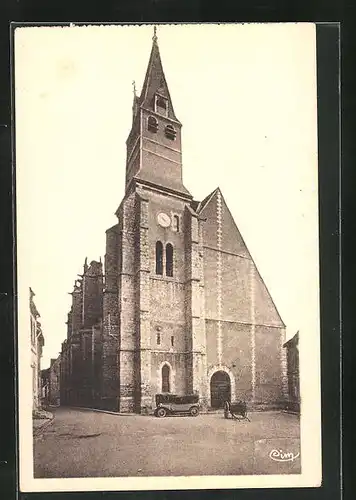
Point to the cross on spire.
(154, 38)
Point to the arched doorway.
(166, 386)
(220, 389)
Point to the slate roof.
(195, 204)
(155, 81)
(203, 203)
(292, 341)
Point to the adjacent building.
(37, 343)
(45, 387)
(292, 355)
(51, 383)
(181, 307)
(54, 381)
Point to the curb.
(98, 410)
(39, 430)
(120, 414)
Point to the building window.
(172, 341)
(152, 124)
(165, 379)
(158, 338)
(170, 132)
(161, 105)
(159, 258)
(176, 223)
(169, 260)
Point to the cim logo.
(281, 456)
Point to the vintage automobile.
(171, 404)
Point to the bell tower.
(154, 329)
(154, 150)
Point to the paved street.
(83, 443)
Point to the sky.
(246, 96)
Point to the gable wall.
(243, 329)
(238, 272)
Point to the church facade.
(184, 308)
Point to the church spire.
(153, 147)
(155, 81)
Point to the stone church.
(179, 305)
(185, 309)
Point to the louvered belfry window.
(170, 132)
(152, 124)
(161, 105)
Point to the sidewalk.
(40, 419)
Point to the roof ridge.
(205, 201)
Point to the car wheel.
(161, 412)
(194, 411)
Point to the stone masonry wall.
(244, 329)
(127, 305)
(143, 390)
(92, 294)
(195, 308)
(110, 339)
(162, 299)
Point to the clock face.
(163, 219)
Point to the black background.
(38, 11)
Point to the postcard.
(167, 256)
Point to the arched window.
(159, 258)
(161, 105)
(166, 387)
(152, 124)
(158, 338)
(170, 132)
(169, 259)
(176, 223)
